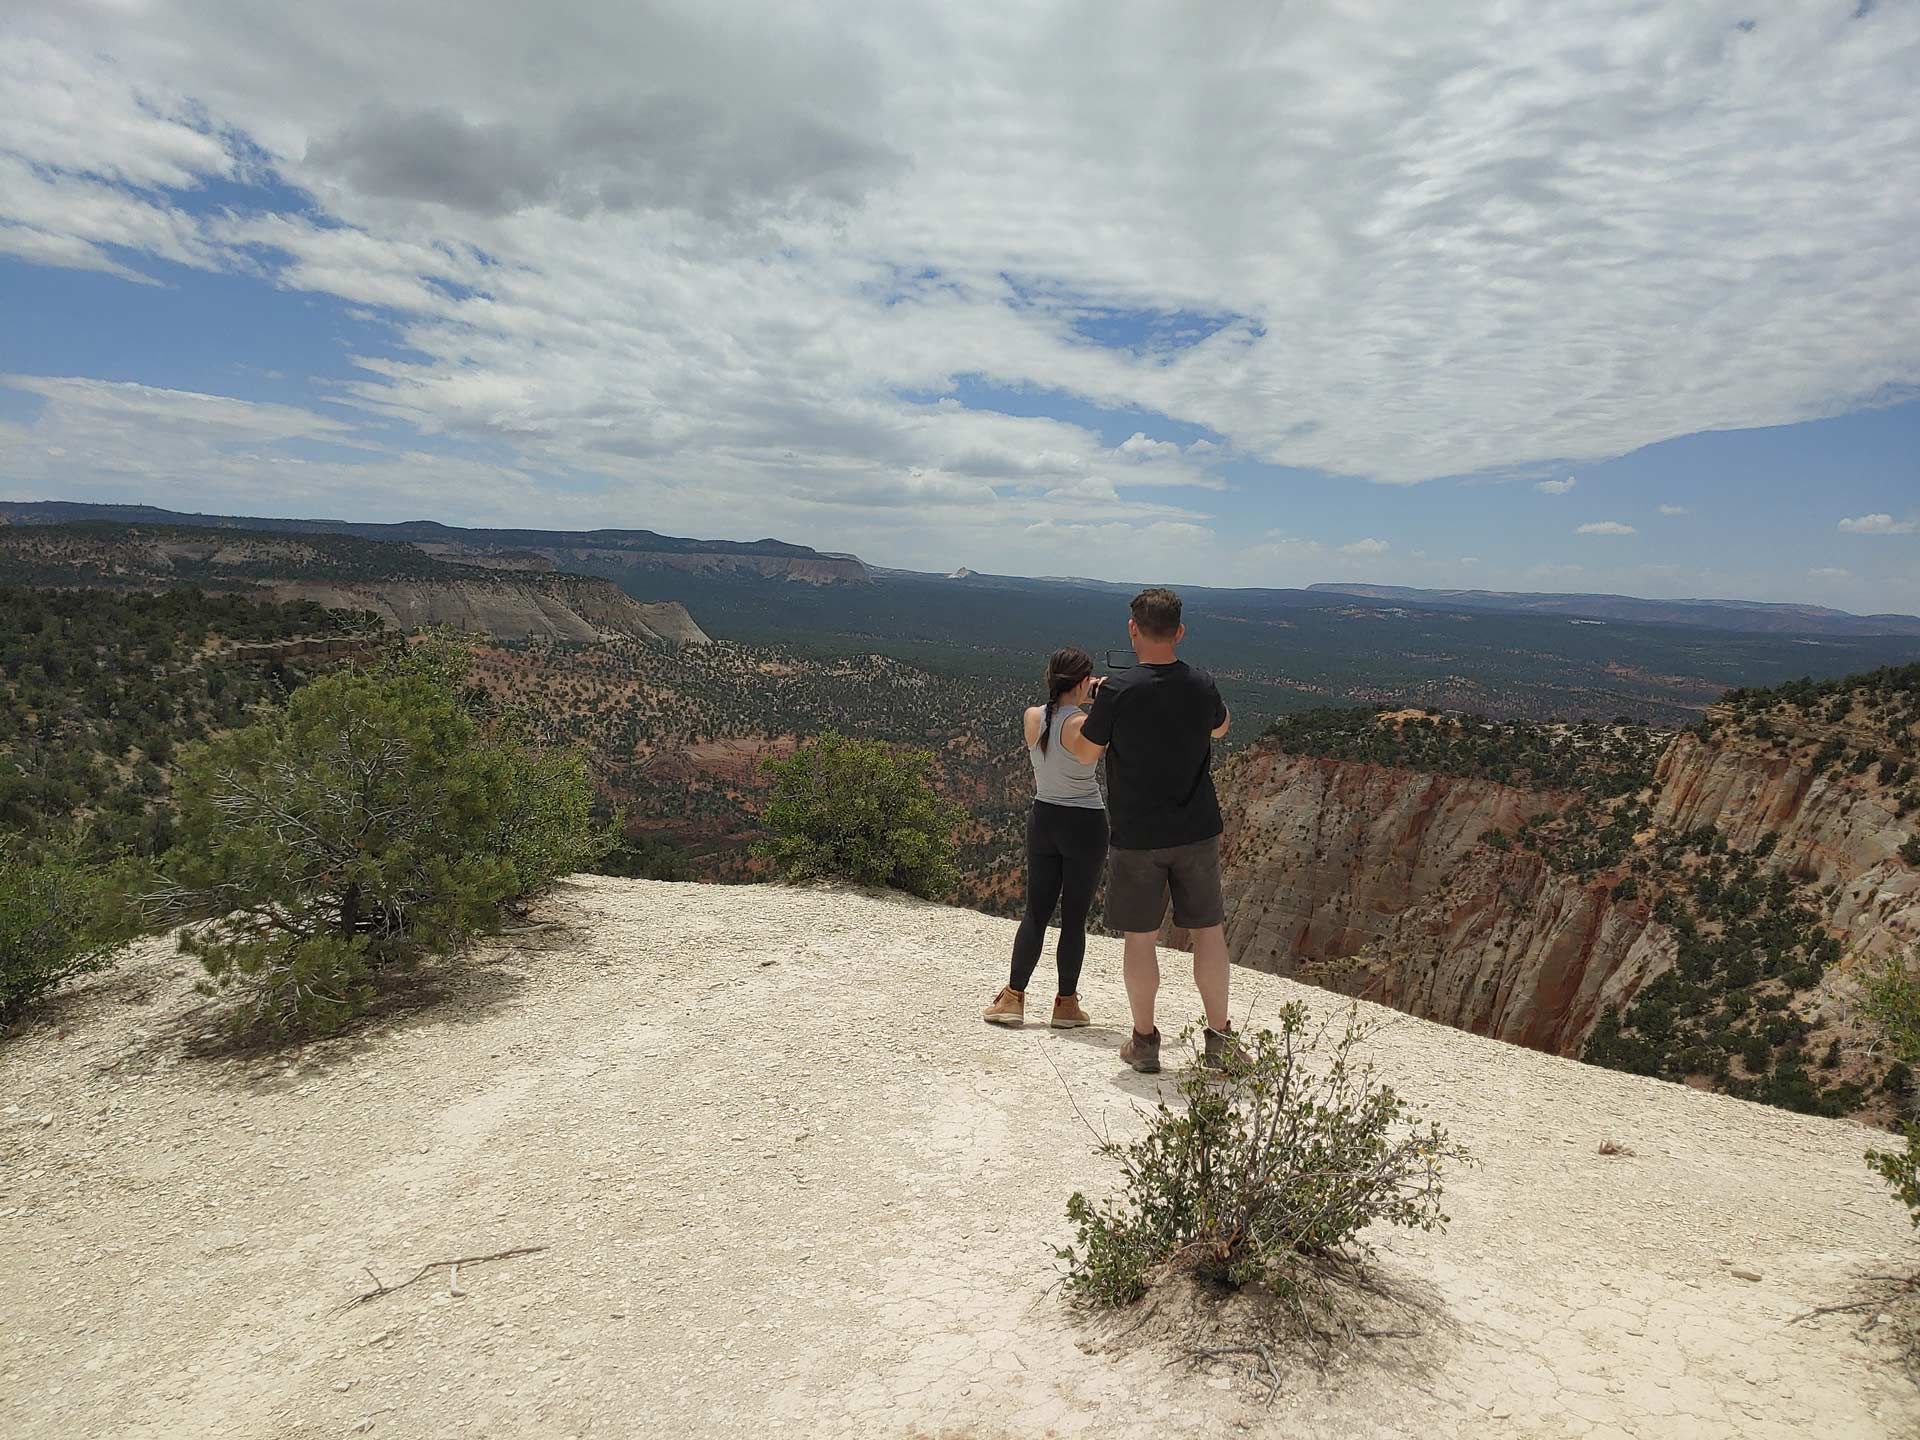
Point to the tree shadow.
(465, 988)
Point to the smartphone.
(1121, 660)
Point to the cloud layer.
(686, 262)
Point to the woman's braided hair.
(1065, 669)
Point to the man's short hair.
(1157, 613)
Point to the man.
(1156, 724)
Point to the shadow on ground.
(463, 989)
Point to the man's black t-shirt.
(1157, 722)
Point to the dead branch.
(1221, 1351)
(1875, 1303)
(1070, 1099)
(380, 1289)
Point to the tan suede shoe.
(1067, 1014)
(1009, 1008)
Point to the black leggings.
(1066, 848)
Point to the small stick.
(431, 1265)
(1219, 1352)
(1069, 1089)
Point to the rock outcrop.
(1375, 881)
(505, 607)
(1835, 829)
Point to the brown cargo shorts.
(1138, 882)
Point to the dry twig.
(1070, 1097)
(380, 1289)
(1221, 1351)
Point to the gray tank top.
(1058, 778)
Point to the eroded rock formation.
(1377, 882)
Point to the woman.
(1066, 844)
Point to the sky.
(1566, 296)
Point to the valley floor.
(788, 1183)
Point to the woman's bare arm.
(1035, 717)
(1078, 746)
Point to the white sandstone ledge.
(789, 1184)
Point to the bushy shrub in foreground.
(1893, 1001)
(860, 810)
(1271, 1170)
(53, 925)
(375, 820)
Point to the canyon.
(1400, 886)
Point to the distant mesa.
(963, 573)
(406, 587)
(1754, 616)
(609, 554)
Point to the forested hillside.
(99, 688)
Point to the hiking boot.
(1223, 1050)
(1009, 1008)
(1142, 1052)
(1067, 1014)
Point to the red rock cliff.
(1375, 882)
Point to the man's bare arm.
(1225, 725)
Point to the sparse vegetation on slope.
(1750, 939)
(677, 739)
(1595, 758)
(98, 691)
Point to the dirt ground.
(787, 1183)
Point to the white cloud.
(1828, 572)
(1877, 525)
(1138, 447)
(1556, 487)
(115, 405)
(640, 244)
(1093, 489)
(1673, 510)
(1368, 546)
(1605, 527)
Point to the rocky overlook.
(773, 1176)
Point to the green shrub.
(640, 857)
(374, 821)
(1901, 1170)
(862, 811)
(1271, 1170)
(1893, 1002)
(1910, 851)
(53, 926)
